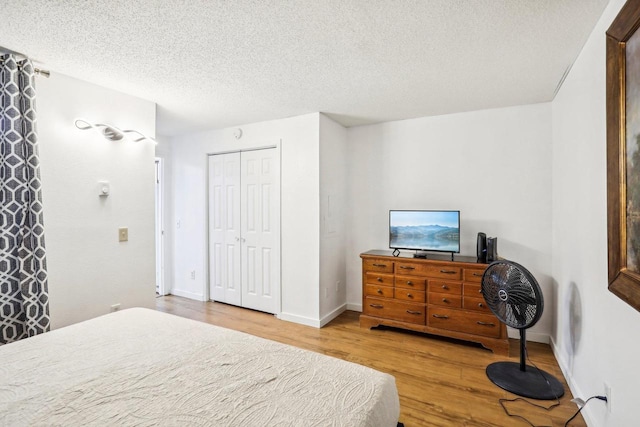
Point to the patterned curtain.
(24, 298)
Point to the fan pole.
(523, 349)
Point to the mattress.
(143, 367)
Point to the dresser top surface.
(430, 257)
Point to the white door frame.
(159, 226)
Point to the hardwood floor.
(441, 382)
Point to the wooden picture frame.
(623, 174)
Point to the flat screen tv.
(437, 231)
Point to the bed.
(143, 367)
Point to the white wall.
(89, 270)
(297, 139)
(595, 339)
(492, 165)
(333, 189)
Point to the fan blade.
(512, 294)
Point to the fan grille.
(512, 294)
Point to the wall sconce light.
(111, 132)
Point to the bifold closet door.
(224, 229)
(260, 224)
(244, 229)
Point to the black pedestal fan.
(514, 296)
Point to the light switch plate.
(123, 234)
(104, 188)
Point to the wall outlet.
(338, 284)
(326, 292)
(607, 394)
(193, 275)
(115, 307)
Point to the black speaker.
(492, 249)
(482, 247)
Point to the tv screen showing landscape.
(425, 230)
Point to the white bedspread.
(142, 367)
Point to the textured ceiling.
(213, 64)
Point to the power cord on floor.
(546, 408)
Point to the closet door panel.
(233, 291)
(224, 228)
(260, 230)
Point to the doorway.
(159, 228)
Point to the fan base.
(533, 382)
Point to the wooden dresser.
(435, 295)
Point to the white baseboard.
(531, 336)
(187, 294)
(308, 321)
(354, 307)
(299, 319)
(575, 390)
(335, 313)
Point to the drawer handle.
(445, 300)
(379, 265)
(448, 271)
(480, 290)
(440, 316)
(407, 267)
(379, 279)
(376, 305)
(445, 287)
(410, 295)
(414, 312)
(478, 274)
(480, 305)
(409, 282)
(486, 323)
(380, 292)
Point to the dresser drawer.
(472, 275)
(395, 310)
(409, 268)
(478, 304)
(410, 282)
(379, 279)
(445, 300)
(378, 291)
(443, 272)
(442, 287)
(470, 290)
(380, 265)
(450, 273)
(464, 321)
(409, 295)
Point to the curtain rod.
(39, 71)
